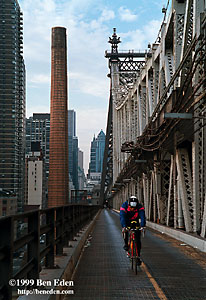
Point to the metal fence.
(32, 239)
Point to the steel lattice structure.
(162, 160)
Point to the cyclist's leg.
(138, 240)
(125, 236)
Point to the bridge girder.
(171, 182)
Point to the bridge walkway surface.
(170, 270)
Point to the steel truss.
(107, 173)
(165, 160)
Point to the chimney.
(58, 149)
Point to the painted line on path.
(157, 288)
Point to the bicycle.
(133, 248)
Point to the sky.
(89, 25)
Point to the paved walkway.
(104, 271)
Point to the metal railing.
(22, 234)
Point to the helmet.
(133, 201)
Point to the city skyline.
(89, 25)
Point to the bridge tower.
(124, 70)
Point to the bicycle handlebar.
(135, 229)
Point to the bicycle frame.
(133, 243)
(133, 249)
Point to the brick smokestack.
(58, 149)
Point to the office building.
(73, 148)
(74, 174)
(8, 203)
(71, 122)
(12, 101)
(97, 154)
(100, 145)
(38, 130)
(81, 175)
(92, 164)
(35, 195)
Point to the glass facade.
(100, 151)
(12, 100)
(97, 153)
(73, 148)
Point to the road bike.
(133, 247)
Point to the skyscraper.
(92, 164)
(81, 176)
(100, 151)
(71, 122)
(97, 153)
(73, 148)
(38, 130)
(12, 100)
(58, 160)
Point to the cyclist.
(132, 210)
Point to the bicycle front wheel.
(132, 254)
(136, 258)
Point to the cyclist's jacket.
(126, 215)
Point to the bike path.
(104, 271)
